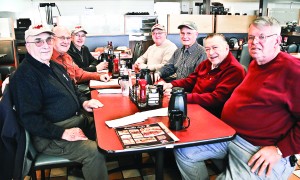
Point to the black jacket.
(83, 58)
(13, 141)
(44, 95)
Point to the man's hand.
(101, 66)
(74, 134)
(104, 77)
(264, 159)
(91, 104)
(156, 77)
(167, 87)
(142, 66)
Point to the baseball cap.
(158, 26)
(188, 24)
(78, 29)
(34, 30)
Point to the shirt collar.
(191, 49)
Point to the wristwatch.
(278, 151)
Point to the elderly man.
(213, 81)
(62, 41)
(186, 59)
(81, 54)
(157, 54)
(48, 106)
(265, 112)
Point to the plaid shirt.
(183, 62)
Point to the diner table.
(204, 128)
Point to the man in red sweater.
(265, 112)
(213, 81)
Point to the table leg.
(159, 165)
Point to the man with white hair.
(185, 59)
(49, 106)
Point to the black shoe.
(75, 171)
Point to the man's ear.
(278, 40)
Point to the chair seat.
(44, 160)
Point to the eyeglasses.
(82, 36)
(62, 38)
(40, 42)
(261, 37)
(157, 33)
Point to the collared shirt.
(76, 73)
(184, 61)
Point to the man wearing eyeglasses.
(157, 54)
(48, 106)
(62, 41)
(185, 59)
(265, 112)
(81, 54)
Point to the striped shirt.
(183, 62)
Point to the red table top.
(204, 128)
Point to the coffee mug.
(176, 120)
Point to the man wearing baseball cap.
(186, 59)
(81, 54)
(49, 106)
(62, 41)
(159, 53)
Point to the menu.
(145, 135)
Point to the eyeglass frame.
(42, 41)
(78, 35)
(63, 38)
(158, 33)
(261, 37)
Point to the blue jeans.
(191, 164)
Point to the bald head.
(62, 39)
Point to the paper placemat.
(137, 117)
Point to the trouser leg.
(190, 160)
(239, 153)
(85, 152)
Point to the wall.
(76, 8)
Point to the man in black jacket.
(48, 106)
(81, 54)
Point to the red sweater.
(75, 72)
(211, 88)
(265, 108)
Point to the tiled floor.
(145, 172)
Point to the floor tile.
(131, 173)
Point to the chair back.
(245, 57)
(200, 40)
(8, 47)
(137, 51)
(292, 48)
